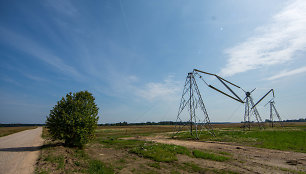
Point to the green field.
(288, 138)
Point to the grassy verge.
(210, 156)
(4, 131)
(56, 158)
(291, 139)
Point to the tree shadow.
(21, 149)
(31, 149)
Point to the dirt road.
(19, 151)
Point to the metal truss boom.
(223, 81)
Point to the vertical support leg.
(271, 115)
(190, 101)
(278, 116)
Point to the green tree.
(74, 119)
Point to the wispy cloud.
(287, 73)
(166, 90)
(272, 44)
(35, 78)
(63, 6)
(32, 48)
(9, 80)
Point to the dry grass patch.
(4, 131)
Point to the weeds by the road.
(56, 158)
(60, 159)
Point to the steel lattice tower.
(192, 99)
(272, 107)
(250, 109)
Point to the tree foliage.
(74, 119)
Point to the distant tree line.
(146, 123)
(298, 120)
(150, 123)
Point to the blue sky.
(134, 55)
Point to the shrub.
(74, 119)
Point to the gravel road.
(19, 151)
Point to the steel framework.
(192, 99)
(250, 109)
(273, 108)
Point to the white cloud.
(166, 90)
(275, 43)
(288, 73)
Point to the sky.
(134, 56)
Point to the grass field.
(287, 138)
(113, 152)
(4, 131)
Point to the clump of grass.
(77, 163)
(292, 171)
(160, 152)
(224, 171)
(174, 172)
(98, 167)
(60, 160)
(121, 160)
(210, 156)
(78, 153)
(192, 167)
(154, 165)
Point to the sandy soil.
(246, 159)
(19, 151)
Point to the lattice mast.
(273, 108)
(192, 99)
(250, 109)
(249, 102)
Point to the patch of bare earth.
(244, 159)
(56, 158)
